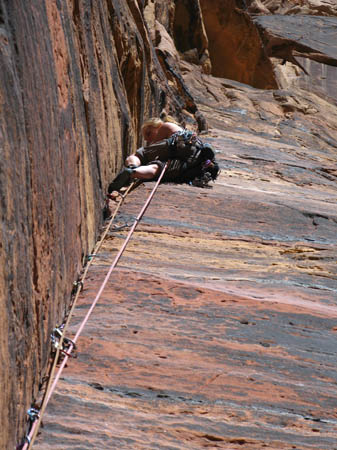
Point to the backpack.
(199, 165)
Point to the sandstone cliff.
(77, 79)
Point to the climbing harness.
(193, 160)
(65, 346)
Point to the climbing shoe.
(122, 179)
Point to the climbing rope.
(59, 333)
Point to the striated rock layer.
(77, 79)
(218, 329)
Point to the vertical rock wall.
(76, 79)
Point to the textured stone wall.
(76, 79)
(235, 47)
(291, 7)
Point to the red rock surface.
(235, 47)
(76, 80)
(210, 334)
(218, 328)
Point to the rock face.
(77, 80)
(218, 329)
(308, 43)
(235, 46)
(289, 7)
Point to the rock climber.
(190, 160)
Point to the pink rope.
(33, 432)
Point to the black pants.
(158, 151)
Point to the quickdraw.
(33, 415)
(77, 286)
(61, 342)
